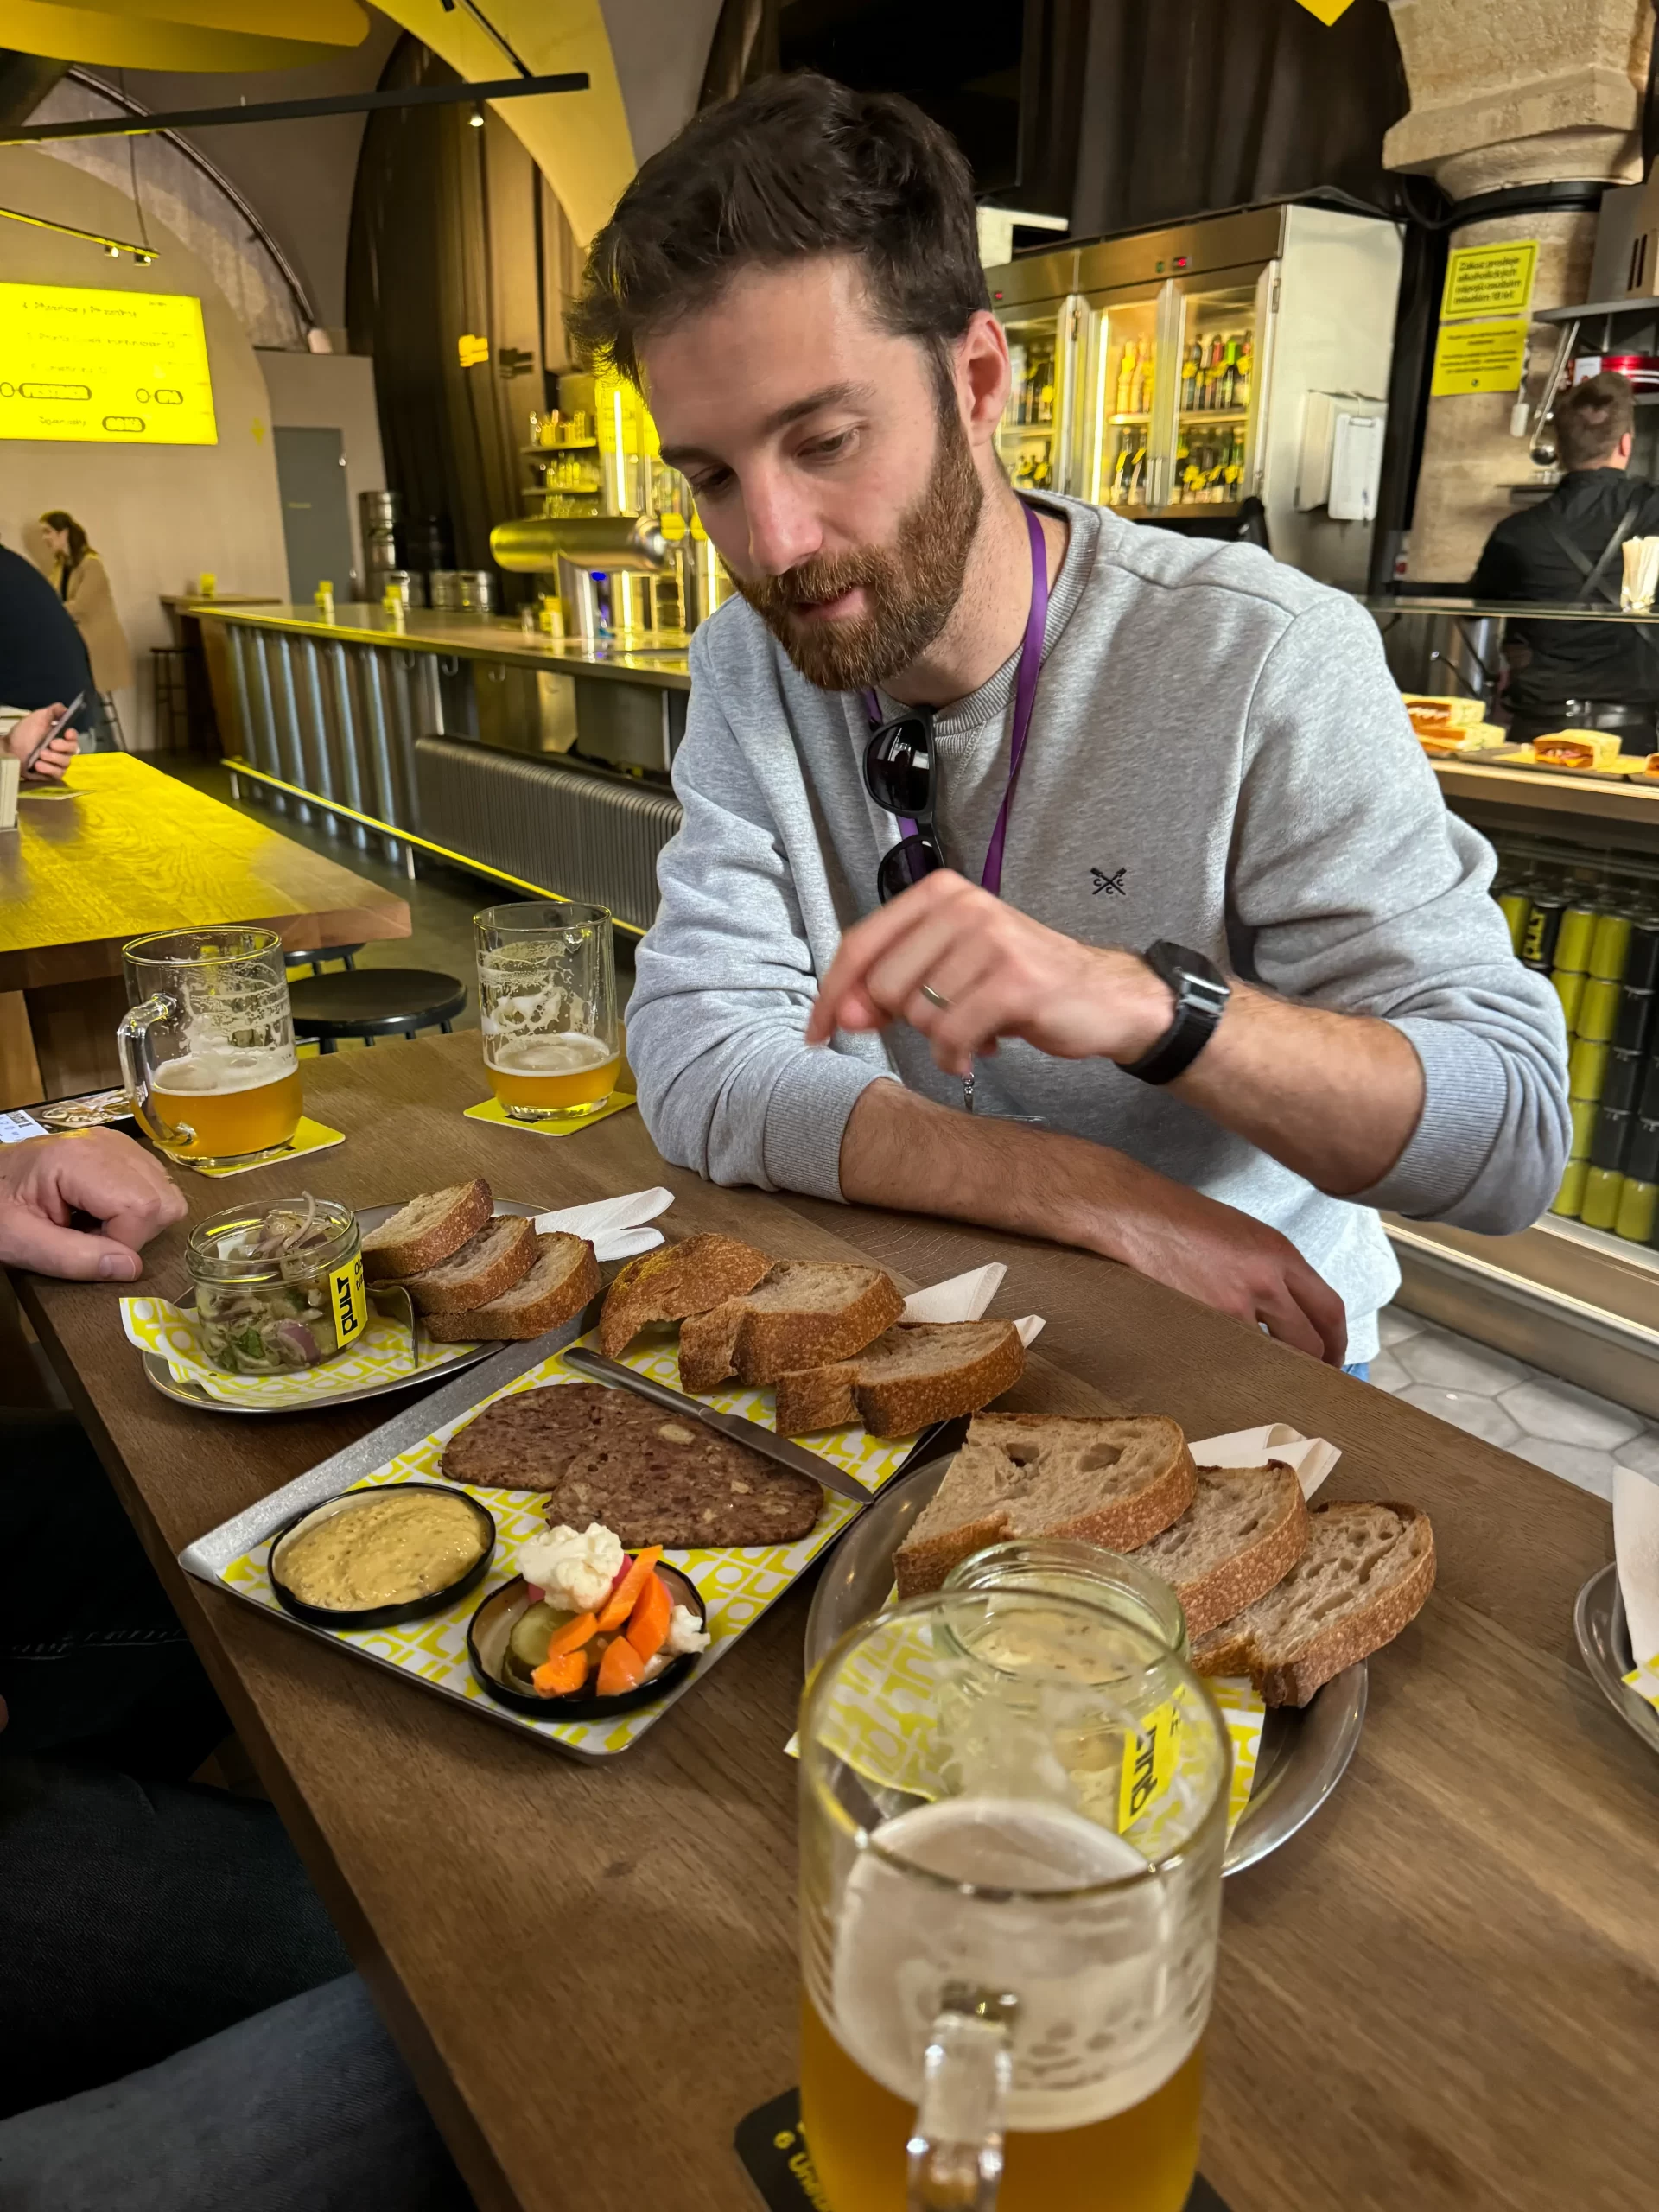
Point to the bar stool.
(370, 1002)
(315, 961)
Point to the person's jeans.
(1360, 1370)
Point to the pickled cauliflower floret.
(685, 1632)
(575, 1571)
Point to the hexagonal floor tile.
(1574, 1463)
(1640, 1452)
(1388, 1374)
(1454, 1362)
(1467, 1409)
(1395, 1325)
(1560, 1412)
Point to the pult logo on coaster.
(773, 2146)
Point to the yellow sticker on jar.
(1148, 1762)
(347, 1299)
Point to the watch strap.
(1201, 993)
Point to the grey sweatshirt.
(1217, 755)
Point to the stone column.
(1508, 93)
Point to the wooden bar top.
(1439, 1995)
(134, 850)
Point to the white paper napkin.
(1311, 1457)
(615, 1227)
(964, 1298)
(1636, 1547)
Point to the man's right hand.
(46, 1180)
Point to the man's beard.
(911, 586)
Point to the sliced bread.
(919, 1372)
(562, 1280)
(674, 1281)
(1367, 1571)
(1112, 1482)
(684, 1486)
(1245, 1529)
(503, 1252)
(429, 1229)
(801, 1313)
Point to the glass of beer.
(207, 1047)
(547, 1007)
(1013, 1811)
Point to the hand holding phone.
(56, 729)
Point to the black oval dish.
(491, 1625)
(381, 1616)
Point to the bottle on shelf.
(1242, 385)
(1125, 379)
(1228, 384)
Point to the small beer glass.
(547, 1007)
(1013, 1811)
(207, 1048)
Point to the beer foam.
(567, 1052)
(218, 1071)
(1113, 1988)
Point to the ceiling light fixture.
(114, 247)
(132, 126)
(476, 118)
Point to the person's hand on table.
(997, 973)
(46, 1180)
(28, 734)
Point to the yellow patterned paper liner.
(308, 1136)
(1645, 1680)
(555, 1125)
(736, 1586)
(380, 1355)
(894, 1704)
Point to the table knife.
(764, 1440)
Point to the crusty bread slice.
(919, 1372)
(564, 1276)
(674, 1281)
(1112, 1482)
(1243, 1532)
(801, 1313)
(488, 1264)
(428, 1229)
(1367, 1571)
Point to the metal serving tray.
(1603, 1636)
(1304, 1754)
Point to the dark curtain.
(744, 48)
(1190, 106)
(436, 204)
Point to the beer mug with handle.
(207, 1048)
(1013, 1811)
(547, 1008)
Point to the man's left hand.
(998, 974)
(27, 734)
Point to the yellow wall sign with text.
(1480, 356)
(1489, 279)
(105, 366)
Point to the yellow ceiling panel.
(80, 33)
(327, 22)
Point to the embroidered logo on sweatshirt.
(1104, 882)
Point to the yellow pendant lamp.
(186, 35)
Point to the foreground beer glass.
(207, 1049)
(1013, 1809)
(547, 1007)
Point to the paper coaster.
(556, 1125)
(310, 1136)
(774, 2154)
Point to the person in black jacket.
(1579, 675)
(42, 660)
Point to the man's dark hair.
(793, 166)
(1591, 418)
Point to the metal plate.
(1304, 1754)
(156, 1373)
(1604, 1640)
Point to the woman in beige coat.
(84, 584)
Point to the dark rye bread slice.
(1243, 1532)
(674, 1281)
(1367, 1572)
(564, 1276)
(684, 1486)
(803, 1314)
(919, 1372)
(1112, 1482)
(503, 1251)
(427, 1230)
(528, 1441)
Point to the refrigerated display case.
(1194, 369)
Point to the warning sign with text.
(1480, 356)
(1489, 279)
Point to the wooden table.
(134, 851)
(1441, 1994)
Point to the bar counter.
(541, 761)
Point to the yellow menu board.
(109, 367)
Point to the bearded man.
(1118, 840)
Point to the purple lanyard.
(1025, 698)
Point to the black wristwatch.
(1201, 993)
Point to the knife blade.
(764, 1440)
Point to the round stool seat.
(375, 1003)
